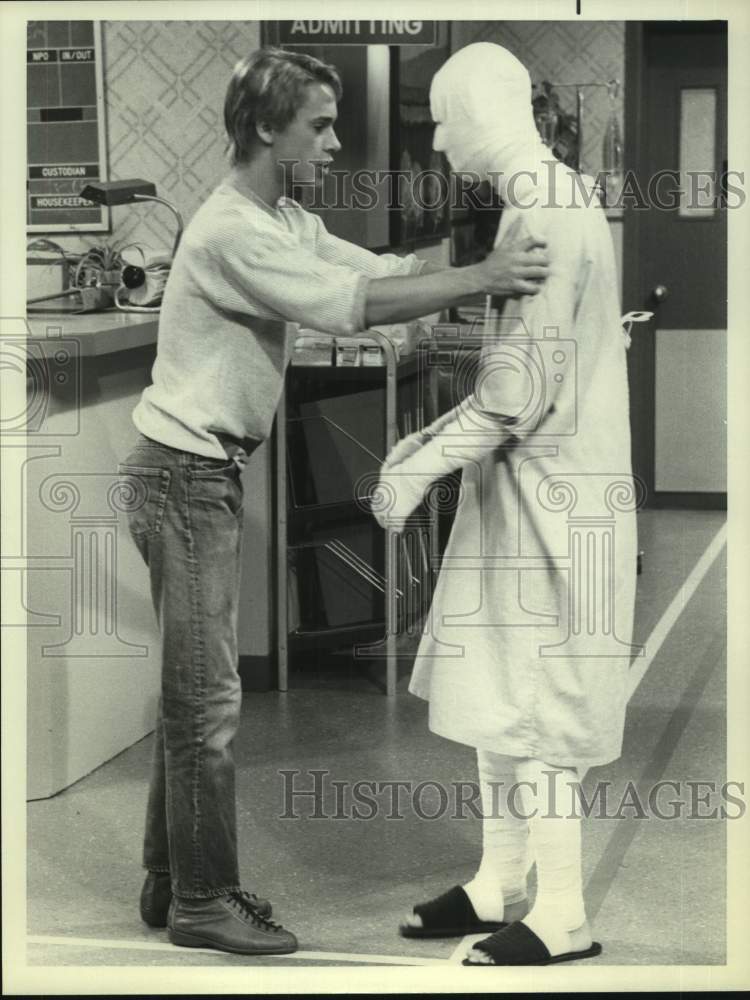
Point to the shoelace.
(250, 896)
(243, 901)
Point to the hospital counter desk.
(96, 334)
(93, 649)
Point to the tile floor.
(655, 889)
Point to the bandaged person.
(526, 650)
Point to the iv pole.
(613, 87)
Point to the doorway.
(675, 258)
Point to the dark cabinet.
(344, 584)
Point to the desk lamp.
(128, 192)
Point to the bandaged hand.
(411, 444)
(404, 448)
(402, 493)
(448, 444)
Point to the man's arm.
(334, 250)
(271, 269)
(429, 268)
(511, 269)
(394, 294)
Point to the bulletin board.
(66, 146)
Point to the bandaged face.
(481, 103)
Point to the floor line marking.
(458, 951)
(117, 944)
(603, 876)
(676, 606)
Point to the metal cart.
(399, 581)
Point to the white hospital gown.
(527, 647)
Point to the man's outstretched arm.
(299, 286)
(511, 269)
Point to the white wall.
(88, 700)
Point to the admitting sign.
(363, 32)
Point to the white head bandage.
(481, 102)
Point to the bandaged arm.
(488, 417)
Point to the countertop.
(96, 333)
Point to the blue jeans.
(186, 519)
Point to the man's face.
(309, 140)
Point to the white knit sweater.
(243, 281)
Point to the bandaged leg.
(549, 798)
(498, 890)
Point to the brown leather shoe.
(156, 895)
(227, 923)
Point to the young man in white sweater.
(252, 267)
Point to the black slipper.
(517, 944)
(449, 915)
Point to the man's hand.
(515, 268)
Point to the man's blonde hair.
(268, 87)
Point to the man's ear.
(265, 133)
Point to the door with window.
(675, 258)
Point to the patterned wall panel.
(164, 92)
(566, 52)
(164, 85)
